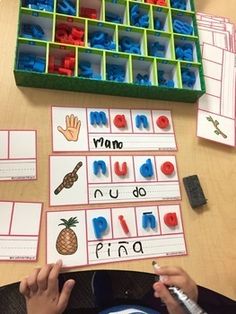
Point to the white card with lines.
(18, 155)
(97, 236)
(19, 230)
(104, 179)
(216, 109)
(216, 114)
(86, 129)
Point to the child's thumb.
(171, 304)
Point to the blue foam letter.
(141, 119)
(99, 164)
(100, 226)
(146, 169)
(148, 219)
(98, 117)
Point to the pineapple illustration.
(67, 243)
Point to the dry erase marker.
(188, 305)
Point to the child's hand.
(174, 276)
(41, 292)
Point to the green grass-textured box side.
(59, 82)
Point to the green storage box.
(144, 49)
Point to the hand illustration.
(71, 132)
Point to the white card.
(19, 230)
(216, 109)
(97, 236)
(104, 179)
(18, 159)
(81, 129)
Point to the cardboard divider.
(161, 18)
(28, 52)
(116, 10)
(62, 60)
(185, 43)
(95, 9)
(91, 64)
(70, 31)
(101, 35)
(39, 26)
(132, 40)
(144, 71)
(185, 23)
(159, 45)
(188, 5)
(192, 72)
(120, 63)
(168, 72)
(140, 14)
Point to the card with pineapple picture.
(104, 235)
(66, 237)
(99, 129)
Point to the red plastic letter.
(162, 122)
(171, 220)
(123, 224)
(120, 121)
(167, 168)
(122, 171)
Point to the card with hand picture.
(87, 129)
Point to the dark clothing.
(215, 303)
(127, 287)
(115, 287)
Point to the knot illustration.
(69, 179)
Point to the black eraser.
(194, 191)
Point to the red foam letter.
(123, 224)
(120, 121)
(171, 219)
(122, 171)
